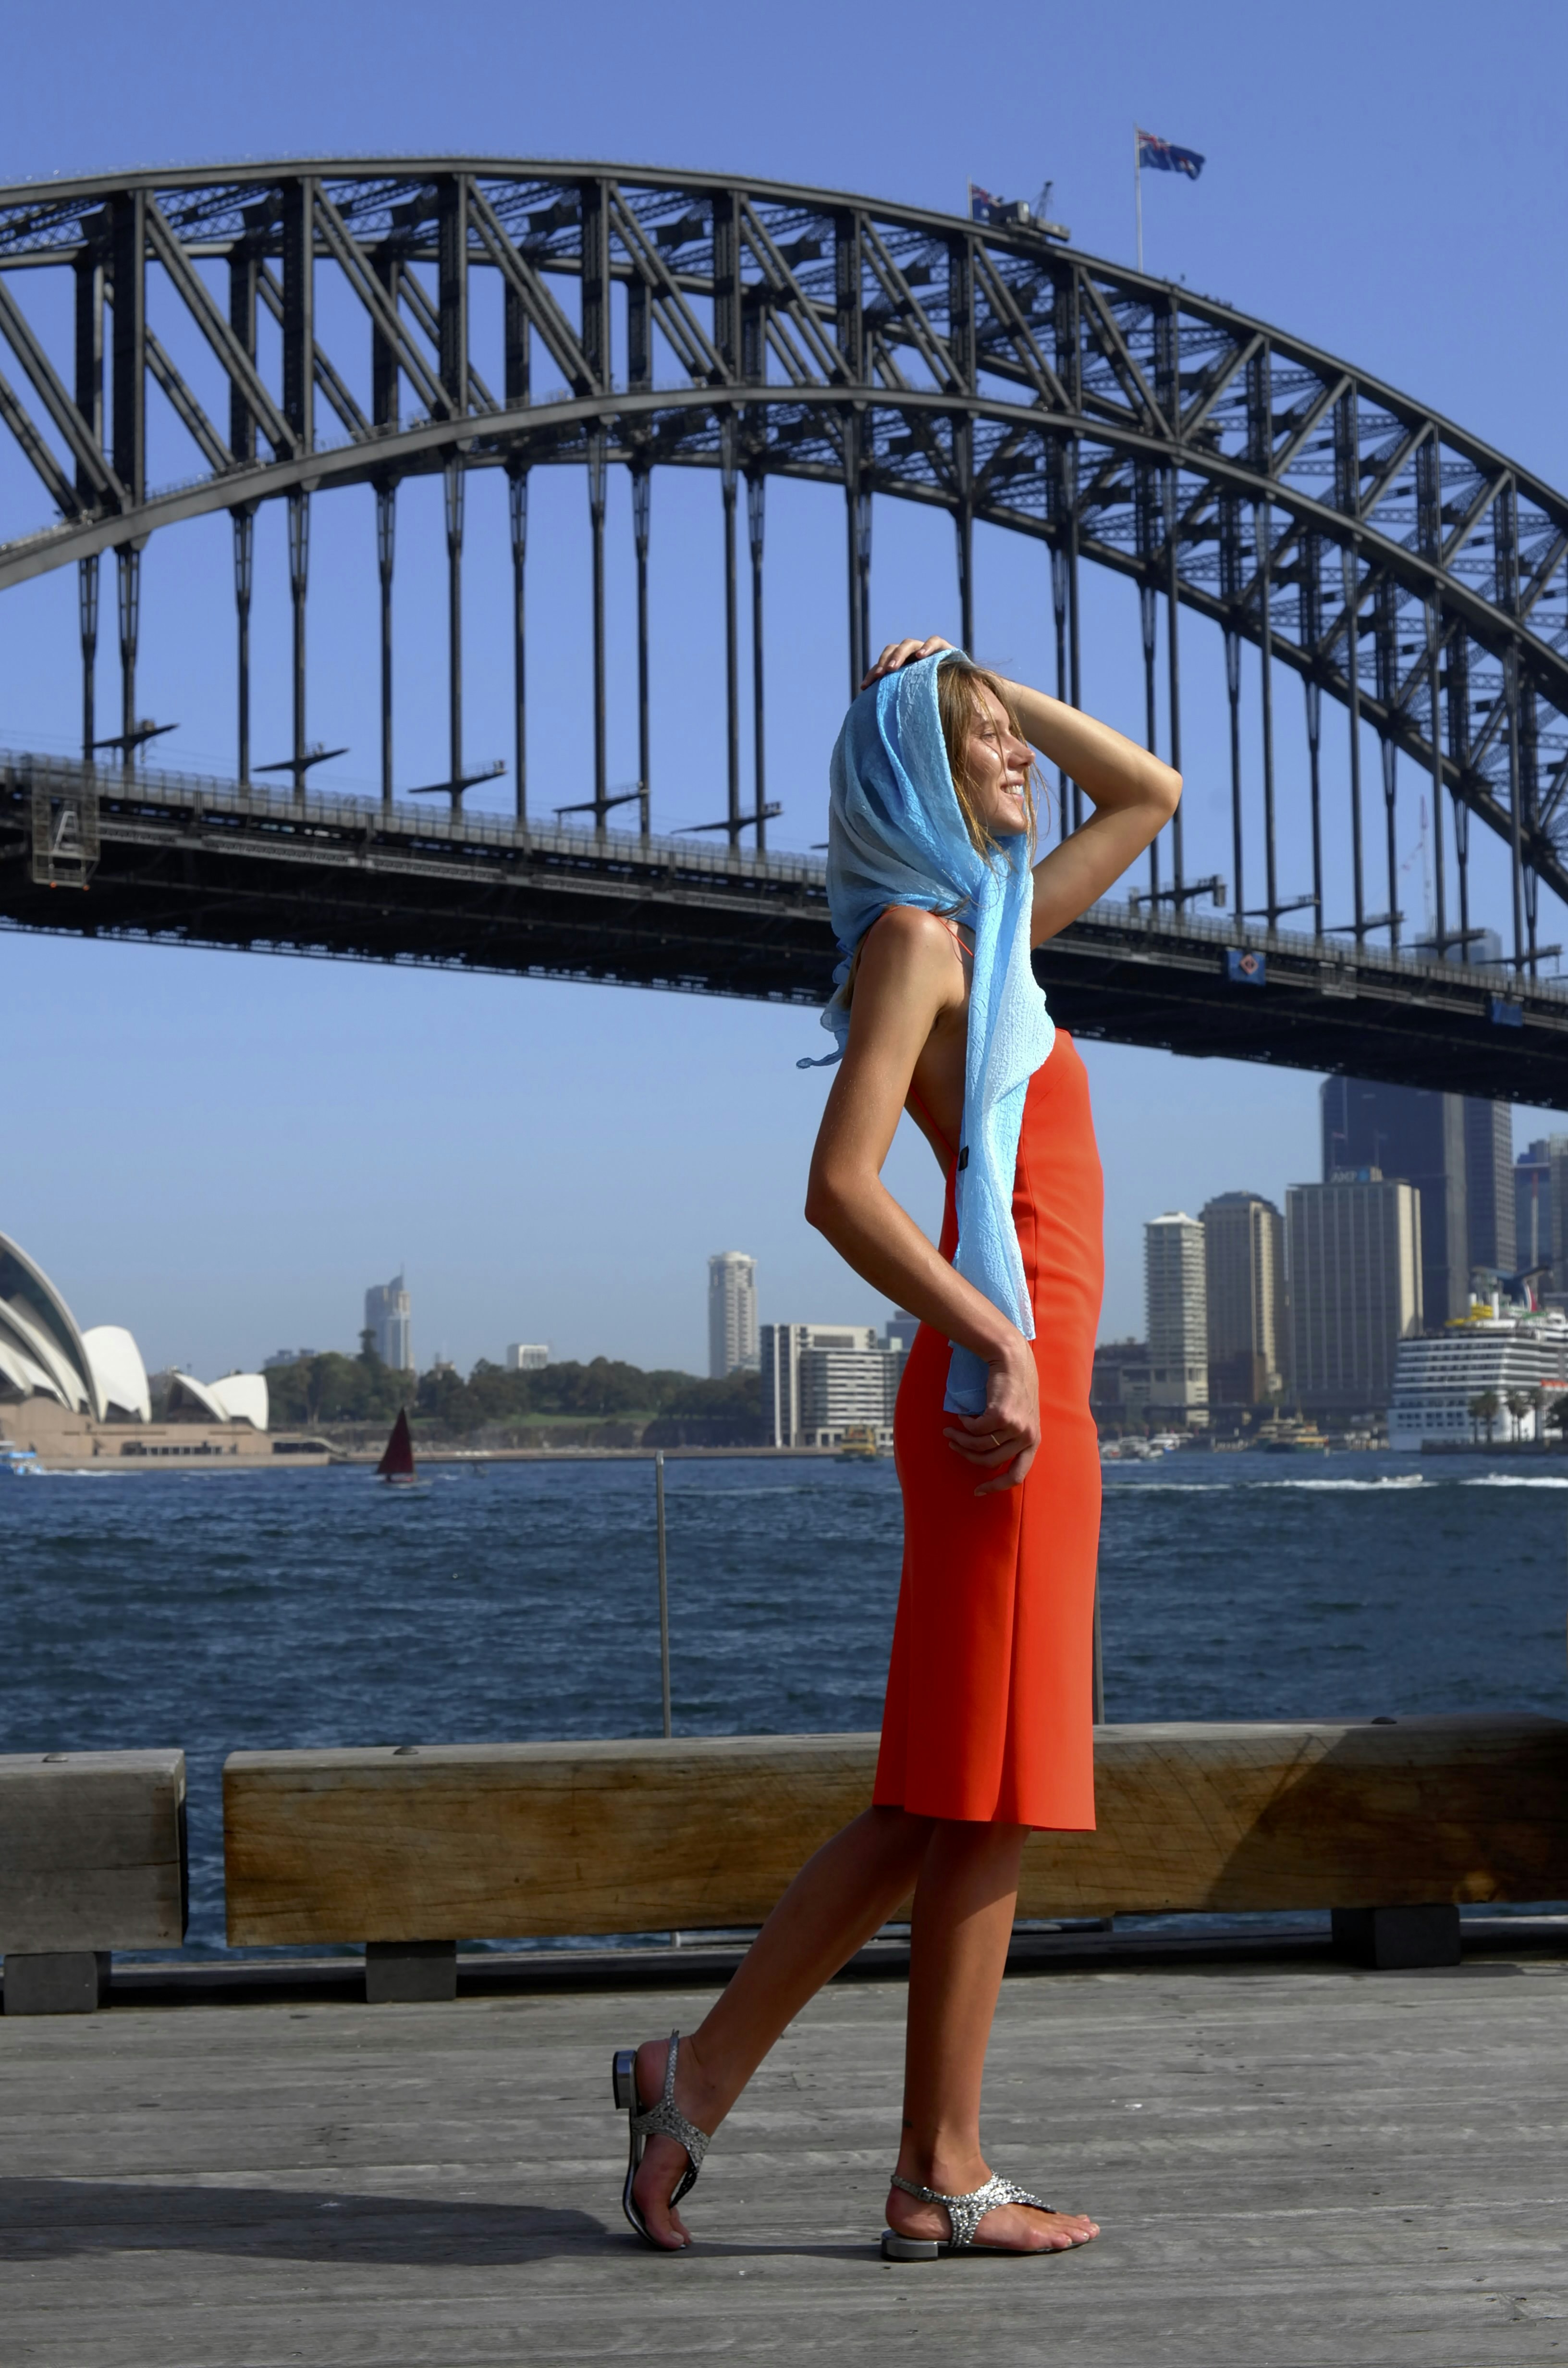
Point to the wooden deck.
(1294, 2164)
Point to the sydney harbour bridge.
(1413, 580)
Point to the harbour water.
(320, 1608)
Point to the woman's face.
(998, 768)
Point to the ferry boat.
(859, 1442)
(19, 1462)
(1486, 1378)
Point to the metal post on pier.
(665, 1596)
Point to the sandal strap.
(965, 2213)
(666, 2119)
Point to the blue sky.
(221, 1151)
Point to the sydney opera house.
(81, 1398)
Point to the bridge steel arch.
(652, 318)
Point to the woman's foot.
(664, 2160)
(1014, 2227)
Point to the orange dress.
(989, 1701)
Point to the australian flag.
(1159, 156)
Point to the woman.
(986, 1732)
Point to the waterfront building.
(1177, 1304)
(1490, 1229)
(1353, 1259)
(1515, 1358)
(527, 1356)
(818, 1379)
(899, 1331)
(731, 1315)
(389, 1320)
(1414, 1136)
(76, 1397)
(1119, 1388)
(1243, 1253)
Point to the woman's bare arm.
(1132, 793)
(906, 976)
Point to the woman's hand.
(1004, 1440)
(903, 653)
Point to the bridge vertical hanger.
(1505, 592)
(89, 359)
(1430, 540)
(515, 334)
(453, 486)
(1168, 390)
(1230, 594)
(386, 552)
(962, 346)
(387, 262)
(1385, 651)
(299, 584)
(1146, 528)
(127, 249)
(1459, 752)
(242, 517)
(1070, 371)
(299, 409)
(638, 380)
(1059, 616)
(728, 440)
(594, 209)
(1309, 634)
(756, 489)
(1260, 441)
(452, 299)
(1347, 499)
(245, 269)
(850, 329)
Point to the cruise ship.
(1502, 1350)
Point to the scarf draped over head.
(897, 836)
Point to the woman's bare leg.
(840, 1898)
(964, 1905)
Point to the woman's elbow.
(1167, 790)
(826, 1203)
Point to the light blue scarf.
(896, 836)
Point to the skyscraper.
(1353, 1252)
(1414, 1136)
(1489, 1184)
(1245, 1270)
(1540, 1182)
(1177, 1298)
(389, 1322)
(731, 1314)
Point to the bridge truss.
(644, 319)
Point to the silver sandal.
(965, 2213)
(662, 2120)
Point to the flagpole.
(1138, 188)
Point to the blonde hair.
(958, 684)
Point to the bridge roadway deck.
(1293, 2164)
(179, 859)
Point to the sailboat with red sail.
(396, 1466)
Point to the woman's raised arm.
(1132, 793)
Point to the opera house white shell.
(100, 1372)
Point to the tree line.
(335, 1388)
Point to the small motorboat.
(396, 1466)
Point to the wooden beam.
(92, 1852)
(521, 1840)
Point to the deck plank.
(1293, 2166)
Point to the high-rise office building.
(389, 1322)
(1413, 1136)
(731, 1314)
(1490, 1227)
(1177, 1298)
(1244, 1247)
(1353, 1256)
(820, 1379)
(1540, 1212)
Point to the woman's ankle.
(942, 2164)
